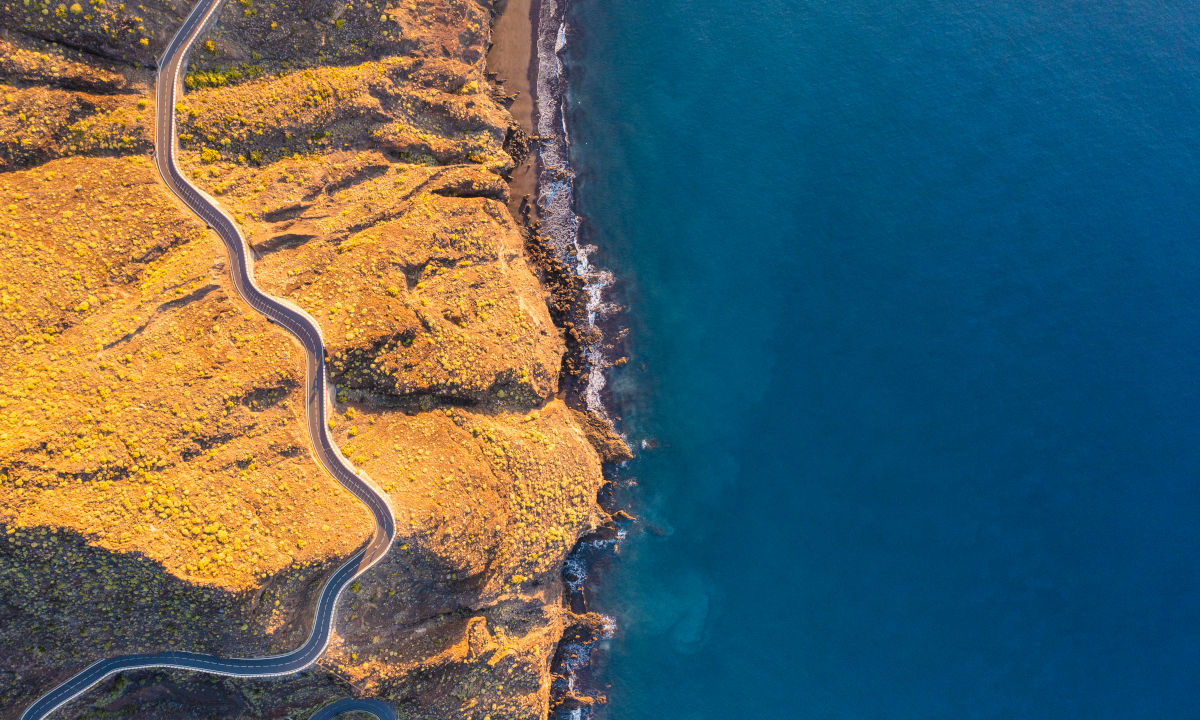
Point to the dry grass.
(142, 404)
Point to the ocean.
(913, 291)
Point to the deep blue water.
(916, 286)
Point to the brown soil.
(510, 59)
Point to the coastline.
(524, 62)
(559, 224)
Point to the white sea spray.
(560, 227)
(556, 190)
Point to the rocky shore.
(527, 56)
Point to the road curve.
(306, 330)
(379, 709)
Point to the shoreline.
(524, 63)
(558, 223)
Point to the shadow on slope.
(65, 603)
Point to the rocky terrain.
(156, 487)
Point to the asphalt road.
(381, 710)
(308, 333)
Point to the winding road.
(306, 330)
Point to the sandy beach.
(510, 60)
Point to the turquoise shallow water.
(914, 285)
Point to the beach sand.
(510, 59)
